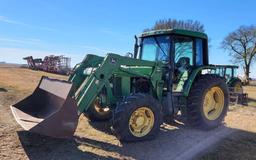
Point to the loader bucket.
(49, 110)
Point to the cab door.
(188, 53)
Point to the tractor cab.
(179, 50)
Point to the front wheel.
(137, 117)
(96, 112)
(207, 102)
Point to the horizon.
(74, 29)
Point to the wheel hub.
(141, 121)
(213, 103)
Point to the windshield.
(155, 48)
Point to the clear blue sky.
(75, 28)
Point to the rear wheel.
(136, 118)
(207, 102)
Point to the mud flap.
(49, 110)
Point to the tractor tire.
(208, 102)
(138, 117)
(97, 113)
(237, 85)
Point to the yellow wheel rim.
(213, 103)
(141, 121)
(238, 88)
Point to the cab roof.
(174, 31)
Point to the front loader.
(165, 75)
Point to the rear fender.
(195, 72)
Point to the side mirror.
(129, 54)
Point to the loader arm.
(114, 64)
(77, 76)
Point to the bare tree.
(241, 45)
(177, 24)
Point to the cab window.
(183, 49)
(199, 52)
(156, 48)
(228, 74)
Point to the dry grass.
(18, 78)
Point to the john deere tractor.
(165, 75)
(230, 74)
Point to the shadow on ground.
(104, 126)
(3, 90)
(252, 102)
(172, 142)
(239, 145)
(39, 147)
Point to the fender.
(192, 76)
(233, 80)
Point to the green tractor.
(230, 74)
(163, 77)
(237, 95)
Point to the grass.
(18, 78)
(16, 83)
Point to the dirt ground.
(235, 139)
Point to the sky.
(78, 27)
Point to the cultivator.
(54, 64)
(34, 64)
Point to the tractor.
(236, 92)
(165, 76)
(230, 74)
